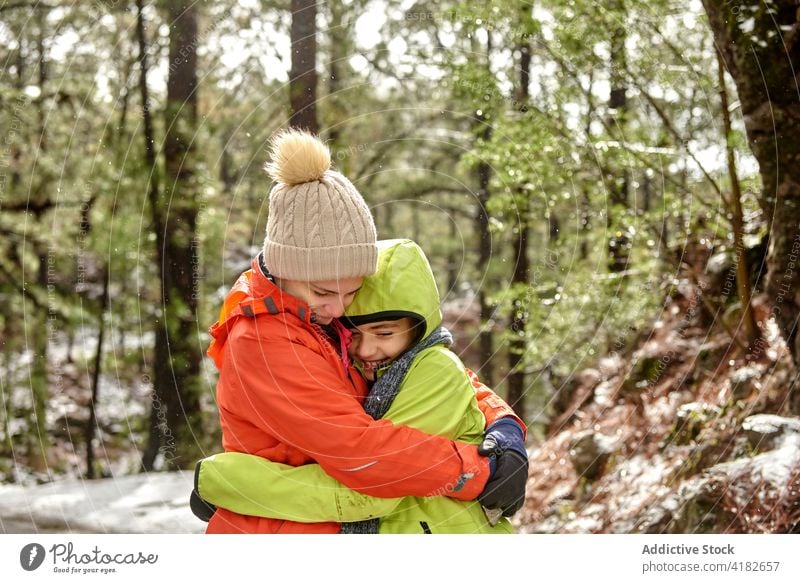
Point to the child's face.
(378, 343)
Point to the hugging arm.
(374, 457)
(252, 485)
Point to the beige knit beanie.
(319, 227)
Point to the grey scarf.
(381, 397)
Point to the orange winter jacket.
(285, 394)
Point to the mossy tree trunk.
(37, 325)
(176, 419)
(760, 45)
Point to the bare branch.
(685, 143)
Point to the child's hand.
(505, 490)
(504, 434)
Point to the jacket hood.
(403, 285)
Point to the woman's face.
(377, 344)
(326, 299)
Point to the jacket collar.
(263, 289)
(261, 282)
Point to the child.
(398, 344)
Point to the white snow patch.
(748, 25)
(142, 503)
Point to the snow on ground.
(141, 503)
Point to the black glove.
(506, 486)
(200, 508)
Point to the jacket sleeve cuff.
(474, 475)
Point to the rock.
(717, 501)
(768, 432)
(692, 509)
(590, 452)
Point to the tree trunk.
(452, 259)
(339, 47)
(647, 192)
(39, 326)
(484, 255)
(227, 176)
(617, 175)
(303, 77)
(175, 419)
(484, 174)
(585, 226)
(763, 62)
(38, 329)
(520, 278)
(735, 206)
(155, 426)
(98, 363)
(178, 367)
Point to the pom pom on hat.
(298, 157)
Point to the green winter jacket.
(436, 397)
